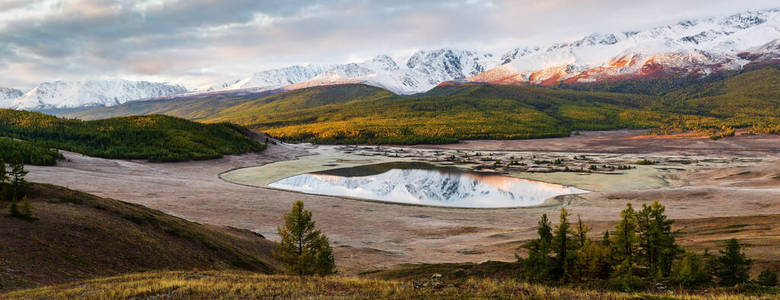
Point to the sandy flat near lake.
(369, 235)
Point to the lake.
(426, 184)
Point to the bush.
(767, 278)
(691, 272)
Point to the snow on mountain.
(8, 95)
(73, 94)
(431, 187)
(693, 47)
(274, 78)
(420, 72)
(687, 48)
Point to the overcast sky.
(194, 42)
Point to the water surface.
(425, 184)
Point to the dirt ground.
(705, 198)
(632, 141)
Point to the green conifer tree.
(664, 248)
(624, 246)
(564, 246)
(537, 267)
(303, 249)
(3, 181)
(732, 266)
(581, 232)
(26, 210)
(17, 177)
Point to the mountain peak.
(72, 94)
(690, 47)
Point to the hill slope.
(79, 236)
(155, 137)
(362, 114)
(244, 285)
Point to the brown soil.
(632, 141)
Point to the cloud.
(195, 41)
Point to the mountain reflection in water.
(425, 184)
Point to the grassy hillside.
(80, 236)
(153, 137)
(362, 114)
(244, 285)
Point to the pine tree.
(732, 266)
(3, 180)
(605, 240)
(26, 210)
(581, 232)
(564, 247)
(624, 246)
(665, 248)
(593, 261)
(324, 262)
(304, 249)
(17, 177)
(624, 240)
(691, 271)
(538, 265)
(657, 247)
(3, 172)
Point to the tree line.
(12, 188)
(154, 137)
(642, 249)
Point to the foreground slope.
(156, 137)
(244, 285)
(79, 236)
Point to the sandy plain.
(714, 189)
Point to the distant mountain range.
(691, 49)
(90, 93)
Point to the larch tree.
(17, 177)
(564, 246)
(303, 248)
(538, 265)
(581, 232)
(732, 266)
(624, 246)
(3, 180)
(665, 248)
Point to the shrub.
(767, 278)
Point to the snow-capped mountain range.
(420, 72)
(687, 48)
(7, 96)
(90, 93)
(693, 47)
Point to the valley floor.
(727, 188)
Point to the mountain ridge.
(689, 49)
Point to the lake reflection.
(425, 184)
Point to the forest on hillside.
(350, 114)
(153, 137)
